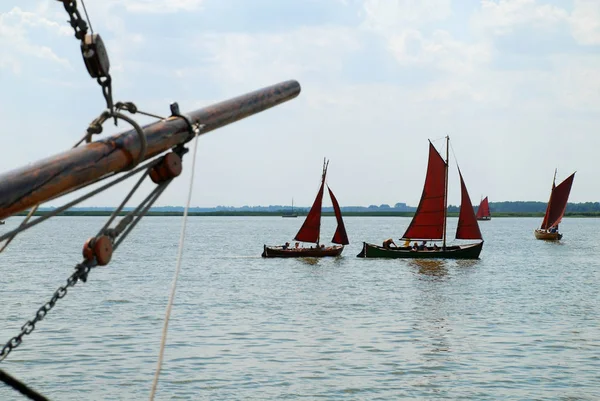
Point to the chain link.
(91, 54)
(81, 273)
(78, 23)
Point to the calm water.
(520, 323)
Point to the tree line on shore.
(507, 208)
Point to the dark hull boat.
(280, 252)
(557, 206)
(311, 231)
(470, 251)
(483, 212)
(429, 221)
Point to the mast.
(446, 190)
(311, 228)
(325, 164)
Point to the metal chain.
(96, 59)
(116, 235)
(81, 273)
(105, 84)
(78, 23)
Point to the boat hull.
(470, 251)
(484, 218)
(543, 234)
(279, 252)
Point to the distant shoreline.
(300, 215)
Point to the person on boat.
(388, 242)
(406, 243)
(435, 247)
(553, 230)
(286, 245)
(415, 247)
(422, 246)
(297, 245)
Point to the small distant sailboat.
(557, 206)
(311, 231)
(483, 213)
(290, 214)
(429, 221)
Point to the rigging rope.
(177, 270)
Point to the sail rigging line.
(21, 387)
(82, 269)
(177, 270)
(87, 17)
(98, 250)
(26, 225)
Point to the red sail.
(340, 236)
(428, 222)
(467, 222)
(558, 203)
(309, 232)
(484, 209)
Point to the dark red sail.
(309, 232)
(467, 222)
(340, 236)
(484, 209)
(558, 203)
(428, 222)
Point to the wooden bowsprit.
(156, 151)
(50, 178)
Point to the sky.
(514, 83)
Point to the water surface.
(520, 323)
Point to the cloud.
(440, 51)
(504, 16)
(315, 52)
(585, 22)
(384, 15)
(17, 30)
(162, 6)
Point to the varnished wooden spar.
(25, 187)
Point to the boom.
(50, 178)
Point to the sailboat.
(555, 210)
(290, 214)
(311, 231)
(483, 212)
(429, 221)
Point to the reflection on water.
(309, 261)
(430, 267)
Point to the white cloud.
(585, 22)
(383, 15)
(502, 17)
(162, 6)
(441, 51)
(314, 51)
(16, 41)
